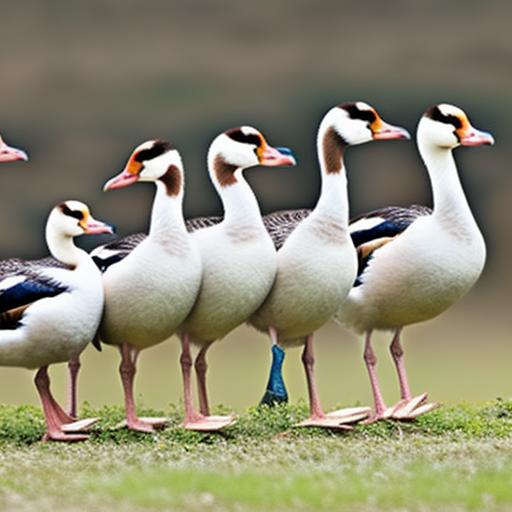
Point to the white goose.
(10, 154)
(149, 293)
(239, 260)
(317, 264)
(49, 314)
(415, 263)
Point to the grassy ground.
(456, 458)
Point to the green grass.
(456, 458)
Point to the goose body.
(317, 263)
(317, 266)
(44, 335)
(239, 263)
(431, 264)
(150, 292)
(50, 312)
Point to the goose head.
(10, 154)
(73, 218)
(152, 161)
(447, 127)
(357, 123)
(240, 148)
(349, 124)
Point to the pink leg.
(191, 415)
(272, 332)
(408, 408)
(371, 362)
(308, 360)
(51, 414)
(193, 420)
(317, 417)
(201, 367)
(398, 357)
(73, 369)
(127, 370)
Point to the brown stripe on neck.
(333, 147)
(224, 172)
(172, 180)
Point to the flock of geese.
(286, 273)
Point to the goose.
(414, 263)
(149, 293)
(238, 259)
(50, 312)
(10, 154)
(317, 264)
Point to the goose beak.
(473, 137)
(387, 131)
(97, 227)
(10, 154)
(124, 179)
(273, 157)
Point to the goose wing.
(375, 229)
(281, 224)
(21, 284)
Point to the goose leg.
(408, 408)
(201, 367)
(194, 420)
(370, 359)
(276, 390)
(54, 424)
(73, 369)
(71, 423)
(317, 417)
(127, 370)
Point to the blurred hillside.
(84, 82)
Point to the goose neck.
(333, 199)
(166, 213)
(238, 200)
(448, 194)
(63, 248)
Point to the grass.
(456, 458)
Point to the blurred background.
(82, 83)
